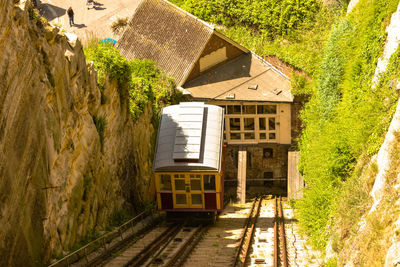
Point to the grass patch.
(117, 218)
(268, 27)
(346, 118)
(267, 16)
(119, 25)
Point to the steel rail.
(243, 235)
(282, 233)
(99, 243)
(248, 228)
(276, 246)
(189, 249)
(184, 251)
(153, 246)
(253, 224)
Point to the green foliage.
(142, 79)
(301, 49)
(347, 116)
(331, 262)
(33, 12)
(108, 62)
(332, 67)
(268, 16)
(118, 25)
(148, 83)
(298, 44)
(300, 85)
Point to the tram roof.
(189, 138)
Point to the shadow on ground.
(51, 12)
(79, 26)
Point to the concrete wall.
(295, 180)
(257, 162)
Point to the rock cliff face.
(70, 155)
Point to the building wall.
(213, 52)
(249, 116)
(284, 120)
(258, 161)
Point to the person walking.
(70, 13)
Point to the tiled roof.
(234, 79)
(168, 35)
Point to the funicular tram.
(188, 162)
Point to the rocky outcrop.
(351, 5)
(70, 154)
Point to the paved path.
(89, 23)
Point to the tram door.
(188, 191)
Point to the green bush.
(142, 79)
(108, 62)
(346, 117)
(268, 16)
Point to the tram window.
(249, 123)
(271, 124)
(165, 182)
(195, 184)
(197, 199)
(234, 124)
(235, 136)
(261, 124)
(249, 136)
(209, 182)
(179, 184)
(266, 109)
(234, 109)
(249, 109)
(180, 198)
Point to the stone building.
(260, 115)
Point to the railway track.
(248, 232)
(280, 257)
(172, 244)
(280, 248)
(171, 249)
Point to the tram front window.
(165, 182)
(209, 182)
